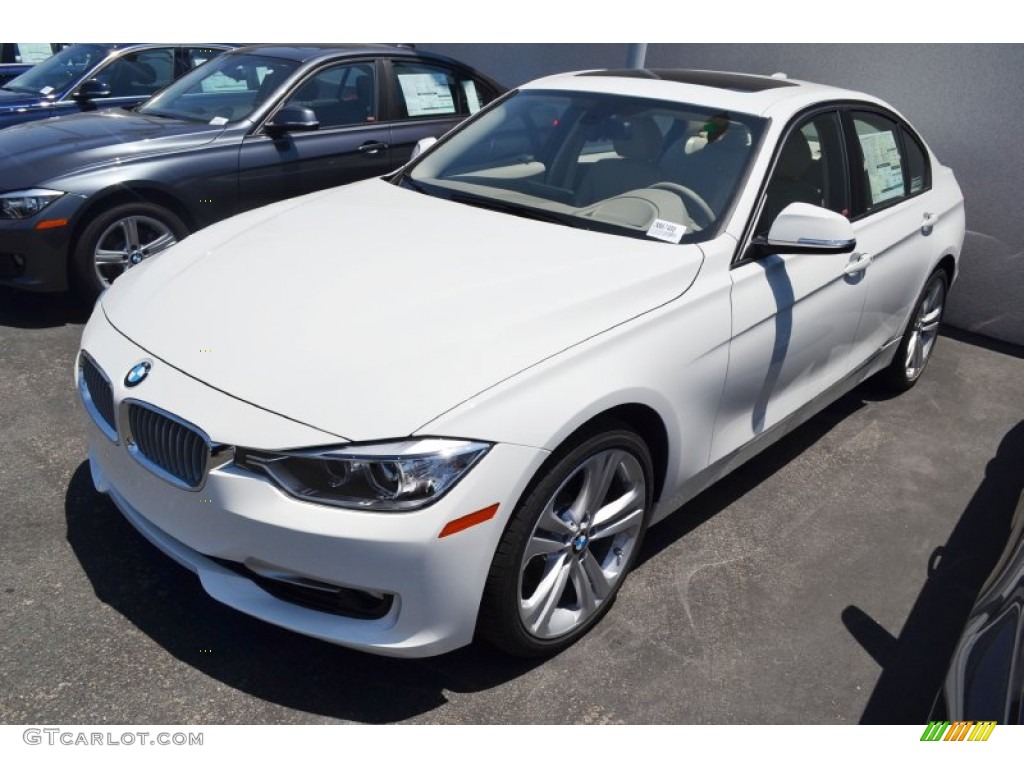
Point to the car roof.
(775, 96)
(313, 52)
(111, 47)
(303, 52)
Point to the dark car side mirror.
(292, 118)
(92, 89)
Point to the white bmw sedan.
(410, 411)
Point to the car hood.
(39, 152)
(369, 310)
(12, 101)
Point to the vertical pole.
(636, 55)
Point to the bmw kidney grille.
(175, 450)
(169, 447)
(97, 396)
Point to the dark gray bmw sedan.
(84, 197)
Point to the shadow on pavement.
(737, 484)
(166, 602)
(22, 309)
(985, 342)
(914, 664)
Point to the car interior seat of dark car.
(131, 77)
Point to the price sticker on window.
(668, 231)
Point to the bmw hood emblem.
(137, 373)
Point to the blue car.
(92, 76)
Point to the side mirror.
(92, 89)
(422, 146)
(805, 228)
(292, 118)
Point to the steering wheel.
(687, 194)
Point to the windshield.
(59, 71)
(620, 164)
(221, 91)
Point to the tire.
(564, 556)
(918, 342)
(119, 238)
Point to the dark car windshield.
(59, 71)
(619, 164)
(224, 90)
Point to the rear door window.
(893, 163)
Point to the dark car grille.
(99, 394)
(169, 445)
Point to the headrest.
(795, 157)
(642, 140)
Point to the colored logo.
(137, 374)
(961, 730)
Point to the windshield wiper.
(405, 180)
(516, 210)
(169, 115)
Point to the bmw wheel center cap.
(137, 373)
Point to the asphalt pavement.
(824, 582)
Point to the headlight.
(26, 203)
(385, 477)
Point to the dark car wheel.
(569, 545)
(120, 238)
(918, 342)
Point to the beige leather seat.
(635, 168)
(708, 166)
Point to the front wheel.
(918, 342)
(120, 238)
(569, 545)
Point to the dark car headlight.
(383, 477)
(26, 203)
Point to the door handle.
(372, 147)
(929, 221)
(858, 263)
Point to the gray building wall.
(966, 100)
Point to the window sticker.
(916, 184)
(883, 164)
(472, 97)
(426, 94)
(219, 121)
(33, 53)
(218, 82)
(668, 231)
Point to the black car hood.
(32, 154)
(12, 101)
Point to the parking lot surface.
(825, 582)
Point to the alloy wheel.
(126, 242)
(581, 544)
(925, 329)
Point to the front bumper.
(37, 259)
(433, 585)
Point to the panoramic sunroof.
(726, 80)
